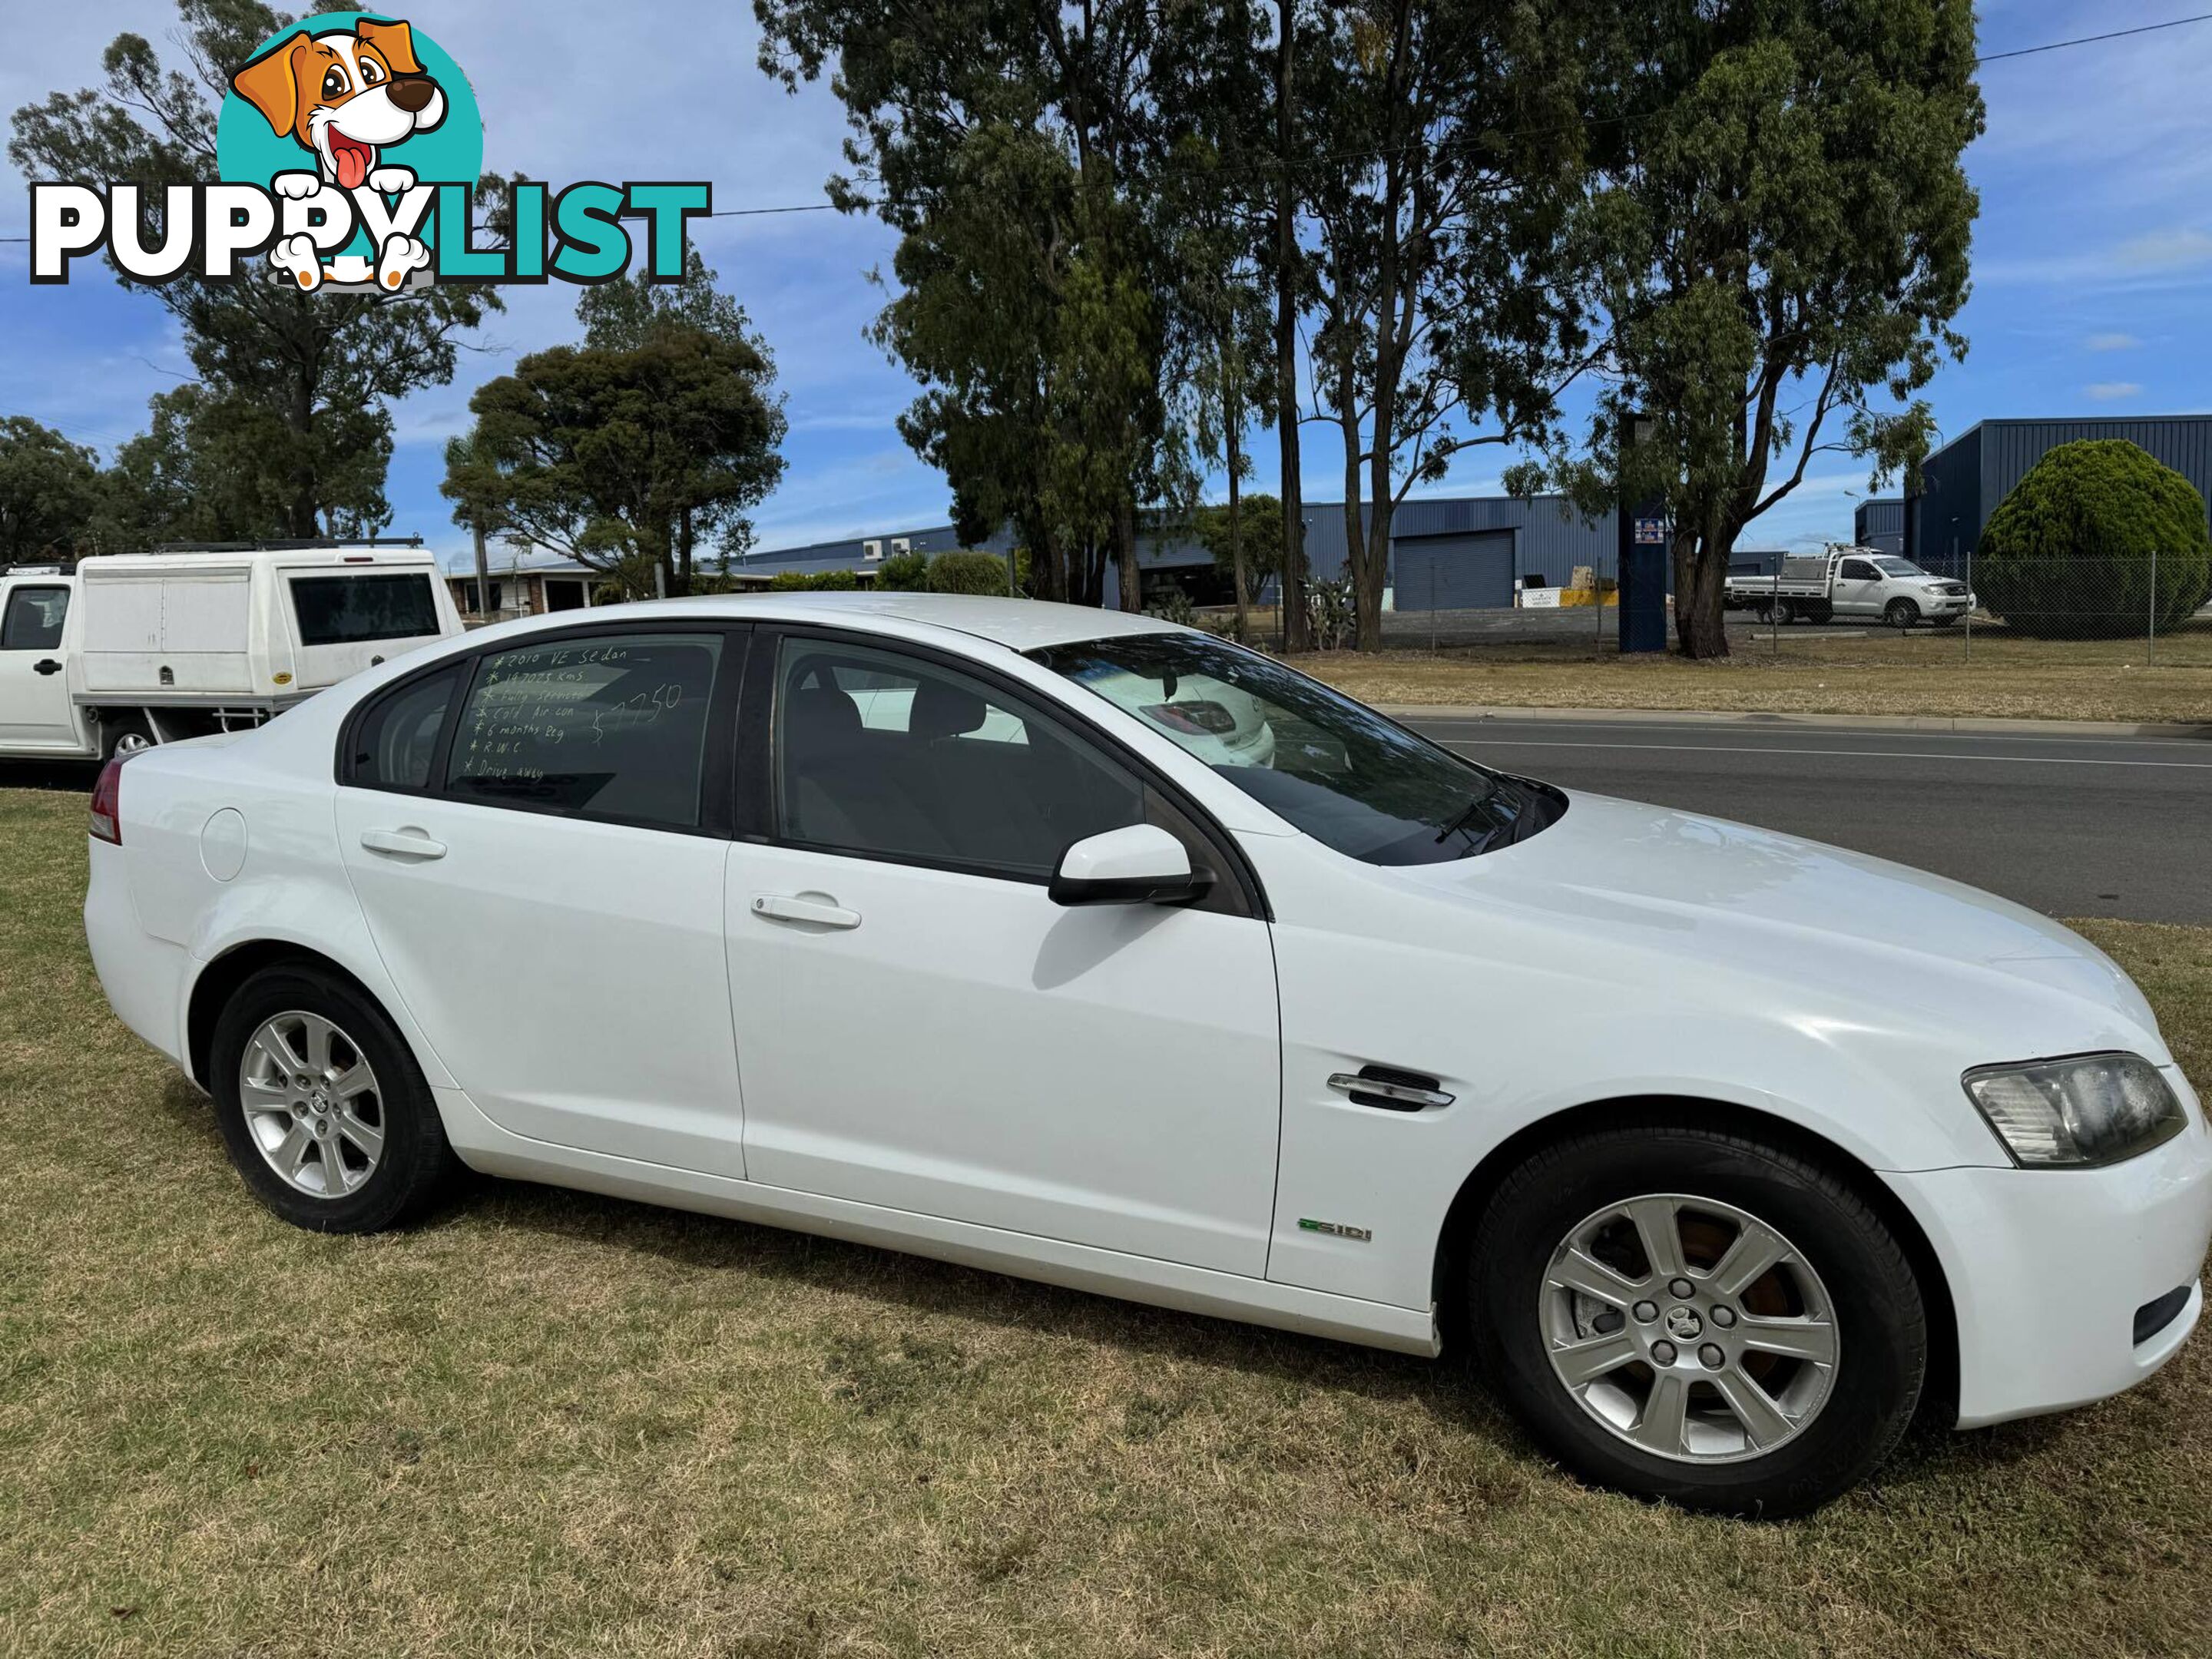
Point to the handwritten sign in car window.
(613, 726)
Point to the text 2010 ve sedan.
(1727, 1151)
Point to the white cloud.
(2112, 342)
(2106, 391)
(2165, 249)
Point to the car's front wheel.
(324, 1110)
(1700, 1317)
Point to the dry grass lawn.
(1876, 672)
(547, 1424)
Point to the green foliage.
(49, 491)
(967, 572)
(1172, 604)
(2069, 553)
(1020, 152)
(1776, 233)
(599, 453)
(1332, 614)
(1258, 526)
(295, 384)
(904, 573)
(812, 581)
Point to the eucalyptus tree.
(1019, 149)
(309, 375)
(1453, 137)
(1777, 237)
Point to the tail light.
(106, 803)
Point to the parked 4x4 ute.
(120, 653)
(1851, 582)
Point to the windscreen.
(373, 606)
(1336, 769)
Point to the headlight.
(2084, 1110)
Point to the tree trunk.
(1237, 528)
(1357, 547)
(683, 537)
(1125, 554)
(1701, 586)
(483, 573)
(1292, 584)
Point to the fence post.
(1432, 605)
(2150, 637)
(1774, 614)
(1967, 653)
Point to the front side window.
(1334, 768)
(612, 726)
(884, 755)
(34, 619)
(352, 609)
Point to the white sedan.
(1728, 1152)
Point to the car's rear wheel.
(1776, 612)
(323, 1108)
(1699, 1317)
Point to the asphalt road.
(2069, 826)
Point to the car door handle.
(403, 843)
(776, 907)
(48, 665)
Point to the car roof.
(1018, 624)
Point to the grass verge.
(1875, 673)
(552, 1424)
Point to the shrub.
(2068, 554)
(1173, 604)
(968, 573)
(904, 573)
(817, 582)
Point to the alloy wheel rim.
(1689, 1329)
(311, 1104)
(131, 742)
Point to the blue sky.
(2092, 258)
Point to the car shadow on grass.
(1450, 1390)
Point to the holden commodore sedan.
(914, 920)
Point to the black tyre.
(1901, 614)
(124, 734)
(1776, 613)
(323, 1108)
(1760, 1364)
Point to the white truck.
(129, 650)
(1851, 582)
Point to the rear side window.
(613, 726)
(349, 610)
(396, 741)
(1858, 570)
(32, 621)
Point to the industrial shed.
(1880, 524)
(1448, 553)
(1962, 482)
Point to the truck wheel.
(1699, 1316)
(1901, 614)
(125, 736)
(1775, 613)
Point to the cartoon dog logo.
(346, 96)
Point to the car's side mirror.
(1142, 864)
